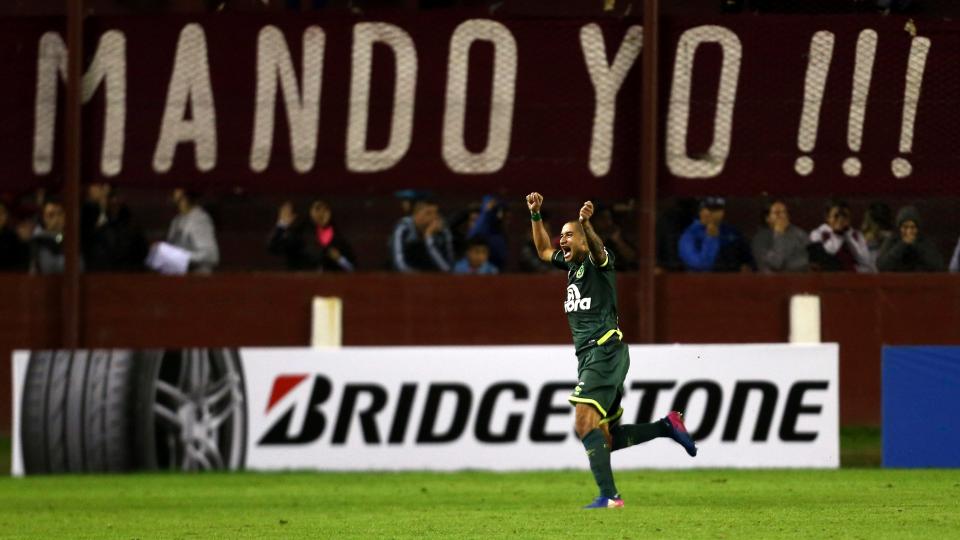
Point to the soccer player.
(603, 359)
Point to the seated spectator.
(193, 230)
(110, 240)
(409, 197)
(780, 246)
(460, 226)
(46, 244)
(421, 241)
(910, 251)
(670, 226)
(477, 259)
(877, 226)
(836, 246)
(14, 249)
(311, 244)
(709, 245)
(489, 228)
(607, 229)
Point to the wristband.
(535, 216)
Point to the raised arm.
(540, 237)
(597, 253)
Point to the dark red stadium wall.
(859, 312)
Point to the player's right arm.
(540, 237)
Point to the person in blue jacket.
(710, 245)
(489, 228)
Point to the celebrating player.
(603, 359)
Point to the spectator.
(110, 240)
(421, 241)
(460, 226)
(780, 246)
(14, 249)
(477, 259)
(910, 251)
(877, 227)
(489, 228)
(46, 245)
(836, 246)
(708, 244)
(612, 236)
(193, 230)
(409, 197)
(670, 226)
(955, 259)
(314, 244)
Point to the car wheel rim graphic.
(198, 410)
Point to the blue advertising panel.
(921, 406)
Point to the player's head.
(573, 243)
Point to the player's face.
(572, 242)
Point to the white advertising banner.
(504, 408)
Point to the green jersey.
(591, 304)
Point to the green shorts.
(601, 371)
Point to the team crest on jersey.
(574, 301)
(580, 272)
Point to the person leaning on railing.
(909, 250)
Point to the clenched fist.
(586, 212)
(534, 201)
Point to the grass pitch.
(851, 503)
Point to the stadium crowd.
(692, 236)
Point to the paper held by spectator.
(168, 259)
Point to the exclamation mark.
(919, 49)
(862, 73)
(818, 66)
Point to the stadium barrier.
(410, 408)
(920, 404)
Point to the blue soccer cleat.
(678, 432)
(605, 502)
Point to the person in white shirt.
(193, 230)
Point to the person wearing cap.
(909, 251)
(836, 245)
(710, 245)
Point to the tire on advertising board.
(118, 410)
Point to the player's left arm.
(594, 243)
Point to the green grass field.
(853, 503)
(850, 503)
